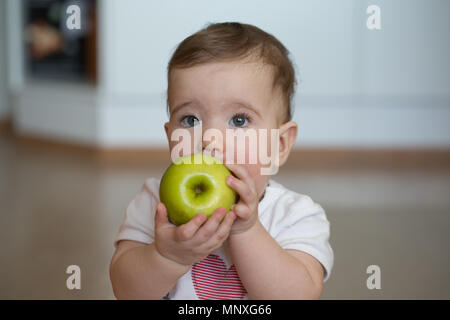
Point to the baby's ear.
(288, 134)
(166, 127)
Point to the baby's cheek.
(255, 173)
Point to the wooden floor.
(61, 206)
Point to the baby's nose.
(212, 149)
(212, 143)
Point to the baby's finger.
(210, 227)
(241, 173)
(187, 231)
(242, 211)
(161, 217)
(245, 193)
(222, 232)
(225, 226)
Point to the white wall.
(4, 106)
(334, 51)
(409, 56)
(144, 34)
(384, 88)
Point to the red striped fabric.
(213, 281)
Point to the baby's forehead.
(253, 65)
(220, 84)
(222, 80)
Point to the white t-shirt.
(292, 219)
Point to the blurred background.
(81, 128)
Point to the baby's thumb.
(161, 217)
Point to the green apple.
(195, 184)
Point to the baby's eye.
(239, 120)
(189, 121)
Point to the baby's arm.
(149, 271)
(138, 271)
(270, 272)
(265, 268)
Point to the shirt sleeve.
(304, 226)
(139, 221)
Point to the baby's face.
(221, 96)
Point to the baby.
(273, 243)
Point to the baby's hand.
(194, 240)
(246, 209)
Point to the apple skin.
(198, 186)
